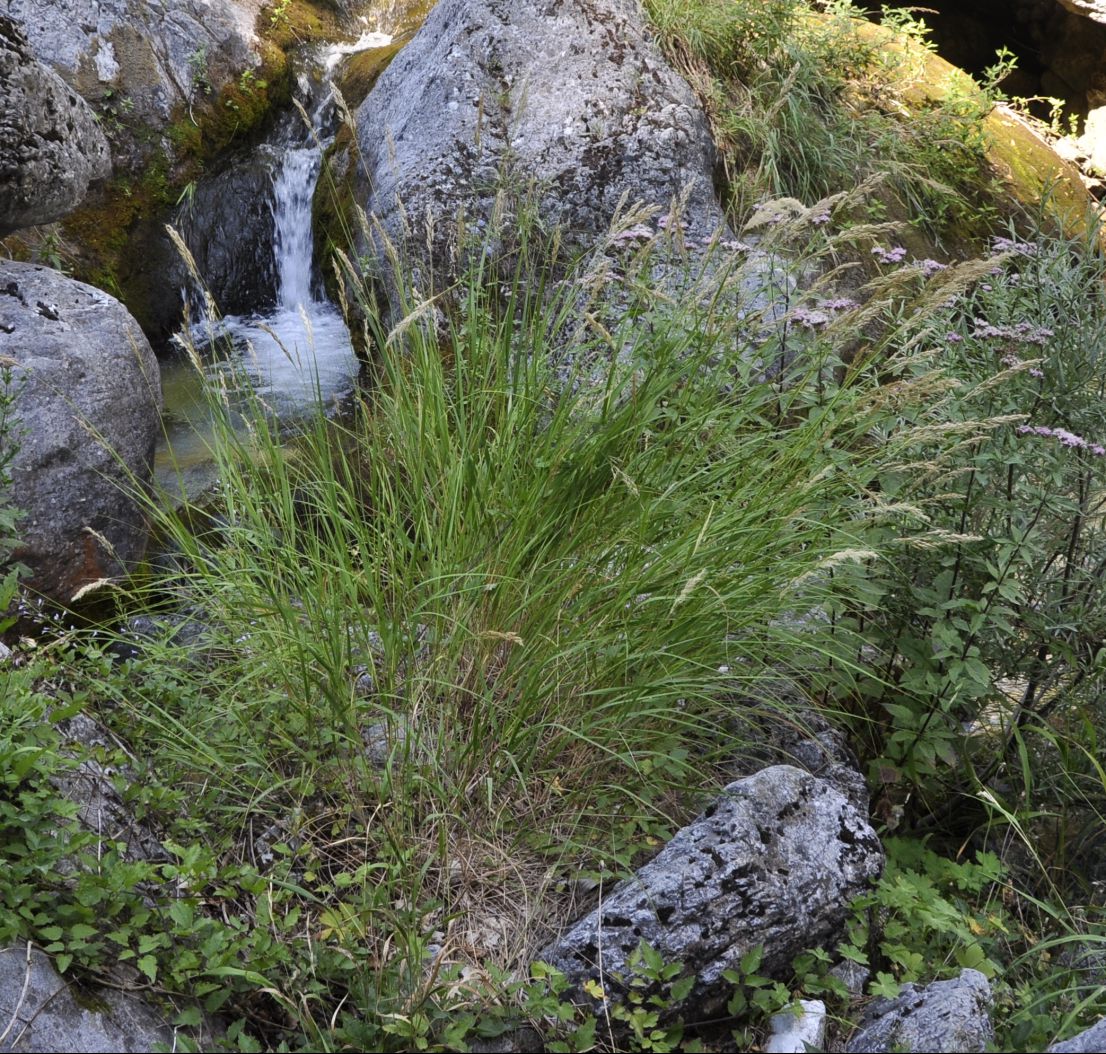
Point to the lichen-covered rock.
(570, 98)
(149, 56)
(88, 398)
(40, 1013)
(942, 1016)
(774, 863)
(51, 148)
(1089, 1041)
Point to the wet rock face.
(774, 862)
(51, 147)
(943, 1016)
(570, 96)
(228, 226)
(86, 418)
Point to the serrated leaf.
(148, 965)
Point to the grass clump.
(806, 100)
(495, 635)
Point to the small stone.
(797, 1033)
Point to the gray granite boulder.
(51, 147)
(569, 101)
(88, 398)
(146, 57)
(1089, 1041)
(942, 1016)
(774, 863)
(39, 1012)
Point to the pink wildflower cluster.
(639, 233)
(1011, 245)
(1062, 436)
(1022, 332)
(1011, 360)
(930, 267)
(823, 312)
(896, 254)
(642, 234)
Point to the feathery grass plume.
(211, 311)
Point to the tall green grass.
(510, 620)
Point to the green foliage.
(929, 916)
(755, 997)
(499, 628)
(807, 105)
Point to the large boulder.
(88, 398)
(774, 864)
(51, 147)
(942, 1016)
(41, 1012)
(1089, 1041)
(148, 58)
(569, 99)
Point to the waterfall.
(298, 354)
(293, 189)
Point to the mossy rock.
(116, 239)
(333, 215)
(362, 70)
(1024, 168)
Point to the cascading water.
(292, 192)
(300, 353)
(297, 353)
(295, 356)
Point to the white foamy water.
(369, 39)
(295, 358)
(300, 353)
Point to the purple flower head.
(896, 254)
(811, 318)
(953, 338)
(1021, 332)
(1037, 373)
(1063, 436)
(1010, 245)
(931, 267)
